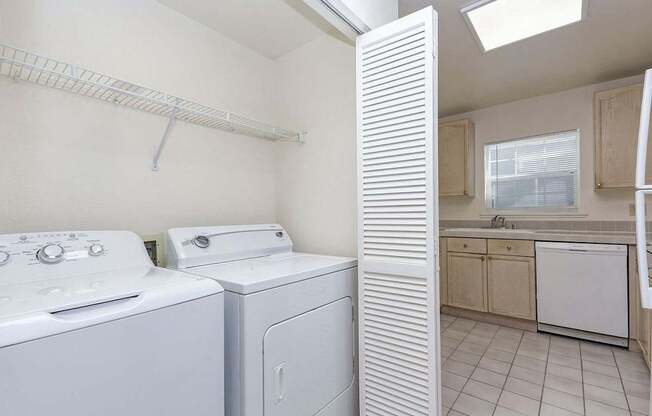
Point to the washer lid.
(254, 275)
(45, 307)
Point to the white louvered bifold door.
(397, 218)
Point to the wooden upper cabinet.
(457, 158)
(616, 117)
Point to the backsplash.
(622, 226)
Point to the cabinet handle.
(482, 258)
(509, 247)
(465, 246)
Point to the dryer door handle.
(279, 383)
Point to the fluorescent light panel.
(498, 23)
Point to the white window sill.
(534, 212)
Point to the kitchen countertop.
(575, 236)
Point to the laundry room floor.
(493, 370)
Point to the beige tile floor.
(492, 370)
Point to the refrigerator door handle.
(641, 249)
(644, 132)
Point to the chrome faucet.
(498, 222)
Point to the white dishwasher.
(582, 291)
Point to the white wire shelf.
(30, 67)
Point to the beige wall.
(316, 181)
(567, 110)
(70, 162)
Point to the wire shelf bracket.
(21, 65)
(156, 163)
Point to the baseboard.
(491, 318)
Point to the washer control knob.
(51, 254)
(96, 249)
(201, 241)
(4, 258)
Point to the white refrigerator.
(642, 190)
(643, 249)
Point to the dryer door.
(308, 360)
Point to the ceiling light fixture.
(496, 23)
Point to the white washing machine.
(289, 319)
(89, 327)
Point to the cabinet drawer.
(511, 247)
(467, 245)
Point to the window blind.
(533, 172)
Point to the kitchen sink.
(490, 230)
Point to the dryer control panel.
(197, 246)
(35, 256)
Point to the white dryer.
(289, 319)
(89, 327)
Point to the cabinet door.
(616, 117)
(510, 282)
(456, 158)
(467, 281)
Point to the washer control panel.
(49, 248)
(31, 256)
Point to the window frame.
(533, 211)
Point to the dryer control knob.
(51, 254)
(201, 241)
(4, 258)
(96, 250)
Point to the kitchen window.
(537, 173)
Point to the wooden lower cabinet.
(511, 286)
(501, 282)
(467, 281)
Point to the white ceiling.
(614, 41)
(269, 27)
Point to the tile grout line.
(511, 364)
(469, 377)
(582, 378)
(481, 357)
(620, 377)
(453, 352)
(447, 358)
(474, 368)
(545, 375)
(569, 379)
